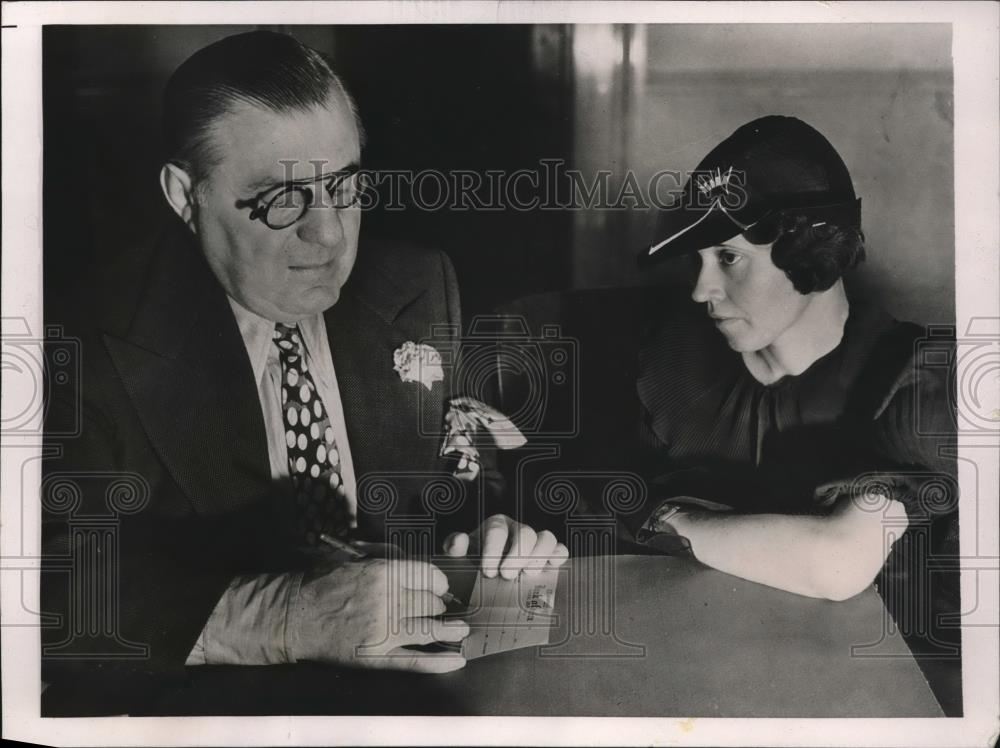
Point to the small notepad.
(510, 614)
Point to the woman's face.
(751, 300)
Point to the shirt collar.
(258, 336)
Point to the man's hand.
(526, 549)
(364, 614)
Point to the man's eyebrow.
(265, 184)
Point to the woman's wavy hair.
(814, 256)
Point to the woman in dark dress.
(807, 418)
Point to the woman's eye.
(728, 258)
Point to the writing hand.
(366, 613)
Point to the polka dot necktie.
(313, 457)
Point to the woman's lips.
(725, 321)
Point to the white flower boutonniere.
(418, 362)
(466, 420)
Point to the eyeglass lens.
(289, 205)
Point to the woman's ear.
(178, 188)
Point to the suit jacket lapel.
(358, 341)
(184, 365)
(383, 414)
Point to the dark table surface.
(637, 636)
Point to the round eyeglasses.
(286, 206)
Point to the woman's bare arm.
(834, 556)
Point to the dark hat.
(771, 166)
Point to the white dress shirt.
(249, 623)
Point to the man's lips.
(318, 266)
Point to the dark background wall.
(505, 97)
(881, 93)
(473, 98)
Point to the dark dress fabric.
(875, 415)
(770, 446)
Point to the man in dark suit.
(258, 384)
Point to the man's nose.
(322, 224)
(708, 287)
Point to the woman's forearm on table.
(834, 556)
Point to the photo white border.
(977, 230)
